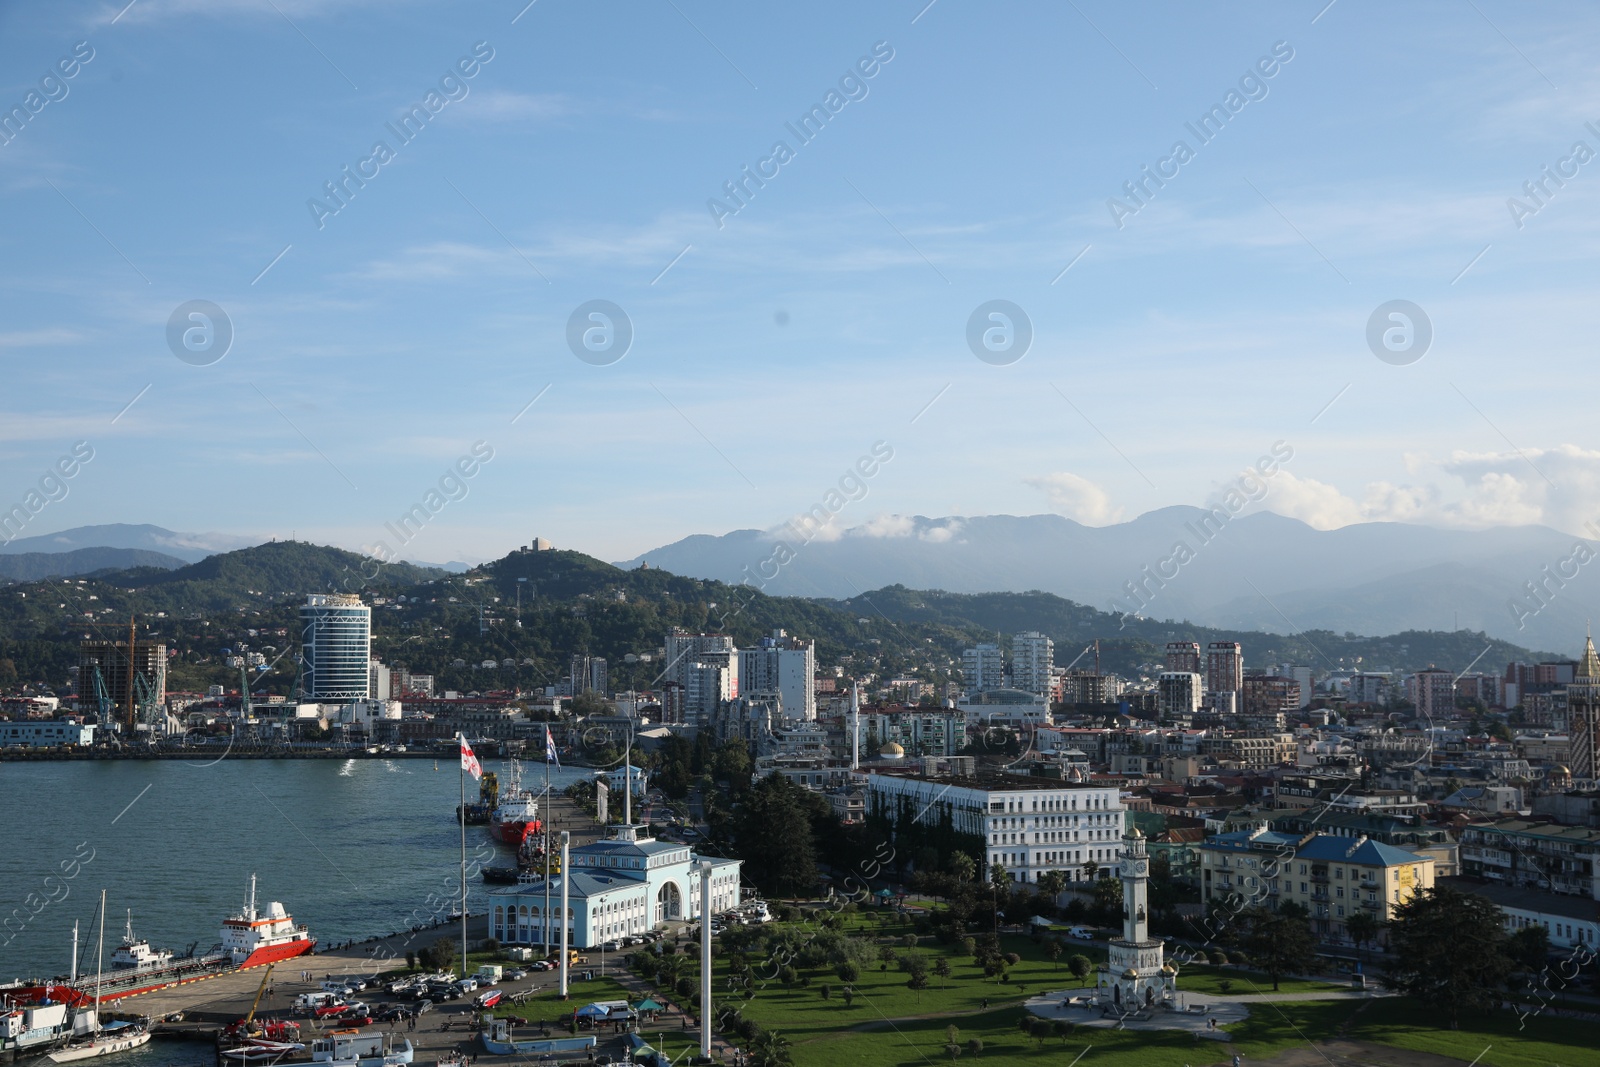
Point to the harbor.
(189, 1014)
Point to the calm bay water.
(353, 848)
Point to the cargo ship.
(250, 938)
(516, 817)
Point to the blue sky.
(831, 311)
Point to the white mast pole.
(74, 968)
(566, 880)
(99, 961)
(461, 770)
(627, 781)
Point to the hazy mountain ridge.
(1257, 571)
(31, 566)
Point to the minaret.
(855, 726)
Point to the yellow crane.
(248, 1019)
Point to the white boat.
(104, 1040)
(107, 1042)
(361, 1050)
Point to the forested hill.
(531, 611)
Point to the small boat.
(112, 1038)
(497, 1041)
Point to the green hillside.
(530, 612)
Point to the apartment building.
(1331, 877)
(1541, 855)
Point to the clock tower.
(1136, 975)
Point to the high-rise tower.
(1583, 719)
(336, 640)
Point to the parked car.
(423, 1007)
(516, 974)
(541, 965)
(389, 1015)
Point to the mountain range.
(1257, 571)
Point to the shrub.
(1080, 966)
(975, 1045)
(1012, 959)
(1219, 957)
(848, 971)
(1239, 958)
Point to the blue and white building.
(45, 734)
(627, 884)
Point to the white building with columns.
(626, 884)
(1027, 825)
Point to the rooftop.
(1562, 904)
(993, 783)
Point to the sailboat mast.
(74, 968)
(99, 960)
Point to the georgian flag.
(469, 762)
(550, 749)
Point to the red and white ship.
(252, 939)
(517, 816)
(249, 939)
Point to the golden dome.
(892, 751)
(1130, 973)
(1169, 969)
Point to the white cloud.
(1077, 498)
(942, 534)
(1557, 487)
(886, 526)
(501, 105)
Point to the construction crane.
(248, 1019)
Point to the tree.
(1091, 871)
(1530, 948)
(917, 983)
(1080, 965)
(1040, 1030)
(1108, 900)
(941, 967)
(768, 1048)
(953, 1050)
(962, 866)
(772, 834)
(1362, 927)
(847, 995)
(1281, 944)
(1052, 884)
(1450, 952)
(1052, 949)
(1062, 1028)
(848, 971)
(975, 1045)
(825, 991)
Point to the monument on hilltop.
(1136, 975)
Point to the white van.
(313, 1001)
(1082, 933)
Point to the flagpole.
(547, 743)
(462, 771)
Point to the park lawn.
(919, 1042)
(1402, 1023)
(883, 994)
(1205, 978)
(549, 1005)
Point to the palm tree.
(771, 1049)
(1362, 927)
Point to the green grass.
(1543, 1041)
(549, 1005)
(1204, 978)
(920, 1042)
(883, 994)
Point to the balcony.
(1372, 905)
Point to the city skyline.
(1183, 312)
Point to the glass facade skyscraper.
(336, 639)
